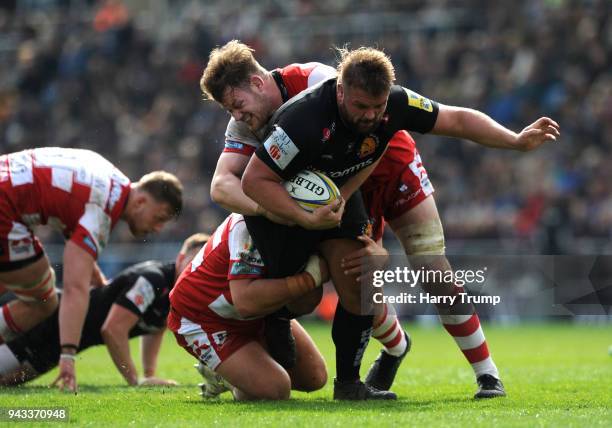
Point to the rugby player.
(421, 229)
(259, 98)
(84, 196)
(134, 303)
(216, 310)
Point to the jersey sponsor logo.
(233, 145)
(141, 294)
(368, 146)
(280, 147)
(115, 194)
(87, 241)
(241, 268)
(97, 223)
(351, 170)
(20, 168)
(407, 198)
(21, 249)
(418, 101)
(327, 132)
(275, 152)
(219, 337)
(21, 244)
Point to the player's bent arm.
(115, 333)
(259, 297)
(355, 182)
(264, 186)
(78, 269)
(474, 125)
(150, 344)
(225, 188)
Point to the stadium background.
(121, 77)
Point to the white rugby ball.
(312, 189)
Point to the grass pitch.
(555, 375)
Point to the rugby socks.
(351, 334)
(8, 328)
(468, 335)
(388, 331)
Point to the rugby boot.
(214, 386)
(489, 387)
(357, 390)
(384, 369)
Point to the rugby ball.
(312, 189)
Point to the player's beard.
(358, 125)
(260, 118)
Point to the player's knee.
(278, 387)
(349, 293)
(422, 239)
(351, 301)
(317, 378)
(40, 295)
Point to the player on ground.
(135, 303)
(84, 196)
(359, 109)
(216, 309)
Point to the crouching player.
(217, 308)
(135, 303)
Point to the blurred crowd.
(121, 77)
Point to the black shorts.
(39, 346)
(285, 249)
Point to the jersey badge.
(141, 294)
(327, 132)
(219, 337)
(418, 101)
(368, 146)
(280, 147)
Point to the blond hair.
(163, 187)
(229, 66)
(366, 68)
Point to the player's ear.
(141, 198)
(256, 81)
(340, 92)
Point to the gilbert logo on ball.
(312, 189)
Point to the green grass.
(555, 375)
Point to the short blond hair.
(197, 240)
(229, 66)
(366, 68)
(163, 187)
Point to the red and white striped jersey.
(294, 78)
(76, 191)
(202, 292)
